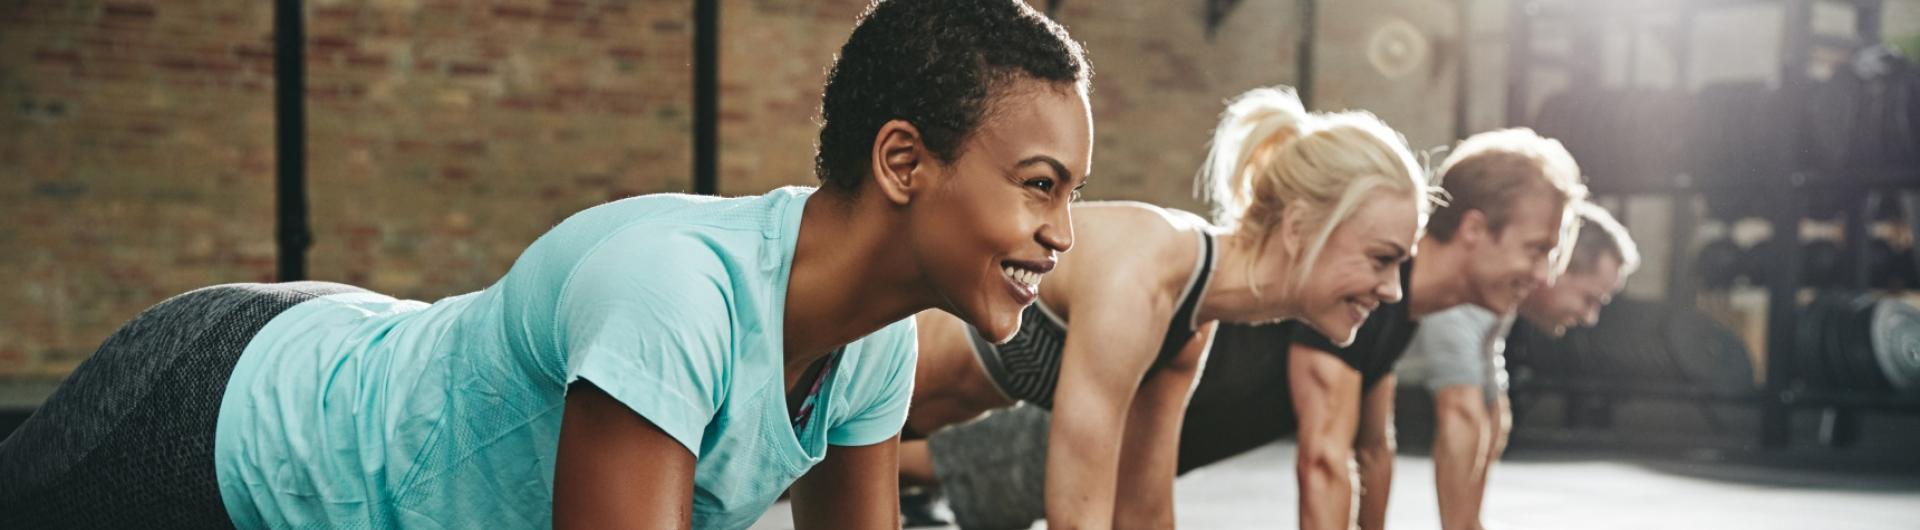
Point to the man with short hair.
(1509, 193)
(1456, 361)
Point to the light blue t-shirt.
(358, 410)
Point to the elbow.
(1463, 415)
(1323, 464)
(1374, 451)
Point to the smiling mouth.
(1361, 309)
(1024, 278)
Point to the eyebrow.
(1059, 169)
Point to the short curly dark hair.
(937, 64)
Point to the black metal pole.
(290, 137)
(1519, 62)
(1463, 72)
(1783, 285)
(1309, 12)
(706, 97)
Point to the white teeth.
(1025, 277)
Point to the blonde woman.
(1314, 214)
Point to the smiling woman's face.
(1359, 268)
(995, 225)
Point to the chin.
(998, 329)
(1339, 331)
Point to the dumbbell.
(1718, 263)
(1890, 268)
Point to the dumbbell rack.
(1779, 397)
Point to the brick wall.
(136, 161)
(137, 147)
(136, 137)
(444, 136)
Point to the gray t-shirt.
(1461, 345)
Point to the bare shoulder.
(1137, 220)
(1136, 240)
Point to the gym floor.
(1565, 491)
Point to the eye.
(1042, 184)
(1076, 191)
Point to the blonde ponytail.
(1269, 154)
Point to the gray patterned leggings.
(127, 439)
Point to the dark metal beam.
(1303, 76)
(292, 231)
(706, 97)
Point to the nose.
(1389, 290)
(1542, 274)
(1057, 233)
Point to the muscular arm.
(1150, 453)
(854, 487)
(1462, 440)
(1373, 449)
(1501, 420)
(1106, 354)
(616, 469)
(1326, 398)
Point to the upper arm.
(1108, 350)
(1153, 423)
(1451, 347)
(883, 388)
(653, 333)
(615, 469)
(854, 487)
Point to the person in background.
(1456, 362)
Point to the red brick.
(467, 148)
(629, 53)
(460, 69)
(46, 56)
(367, 60)
(253, 53)
(128, 10)
(333, 12)
(329, 43)
(513, 12)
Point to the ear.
(898, 153)
(1293, 229)
(1474, 227)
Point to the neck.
(1437, 282)
(1231, 289)
(849, 278)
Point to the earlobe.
(898, 152)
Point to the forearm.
(1326, 479)
(1076, 502)
(1144, 507)
(1149, 460)
(1373, 448)
(1459, 448)
(1501, 428)
(853, 488)
(1082, 456)
(1150, 454)
(1376, 482)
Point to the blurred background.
(1764, 153)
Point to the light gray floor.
(1256, 490)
